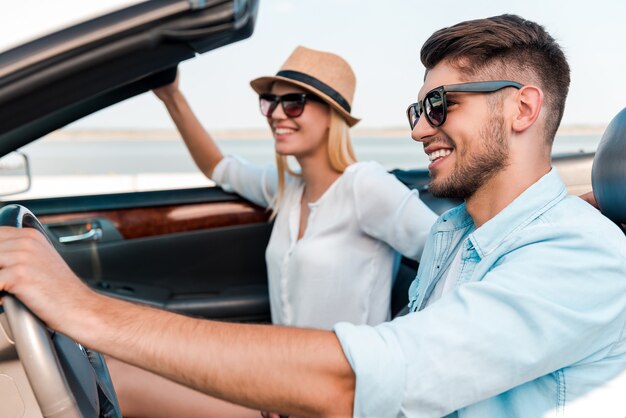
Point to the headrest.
(608, 175)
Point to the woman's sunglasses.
(292, 103)
(435, 107)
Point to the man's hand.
(272, 415)
(32, 270)
(303, 371)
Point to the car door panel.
(203, 256)
(206, 272)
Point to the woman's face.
(302, 136)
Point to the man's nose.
(422, 130)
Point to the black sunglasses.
(292, 103)
(435, 106)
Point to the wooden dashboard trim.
(161, 220)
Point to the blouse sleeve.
(389, 211)
(255, 183)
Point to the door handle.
(93, 234)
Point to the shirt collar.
(538, 198)
(454, 219)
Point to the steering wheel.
(67, 380)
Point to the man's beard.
(479, 166)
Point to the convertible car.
(199, 251)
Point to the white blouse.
(342, 267)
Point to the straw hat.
(326, 75)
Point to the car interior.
(219, 269)
(197, 251)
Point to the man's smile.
(437, 153)
(440, 153)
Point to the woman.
(338, 223)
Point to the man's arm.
(556, 297)
(294, 371)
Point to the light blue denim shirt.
(534, 326)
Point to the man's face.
(471, 147)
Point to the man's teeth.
(283, 131)
(439, 153)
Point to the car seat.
(608, 174)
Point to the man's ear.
(529, 101)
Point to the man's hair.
(505, 47)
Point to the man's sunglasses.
(292, 103)
(435, 106)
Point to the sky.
(380, 38)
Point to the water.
(80, 166)
(63, 157)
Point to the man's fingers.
(18, 249)
(266, 414)
(25, 237)
(9, 273)
(9, 257)
(24, 255)
(11, 232)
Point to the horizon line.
(255, 133)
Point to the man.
(518, 308)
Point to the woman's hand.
(167, 92)
(589, 198)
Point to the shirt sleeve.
(548, 304)
(388, 210)
(258, 184)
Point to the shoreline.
(254, 134)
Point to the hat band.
(314, 82)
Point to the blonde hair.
(340, 153)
